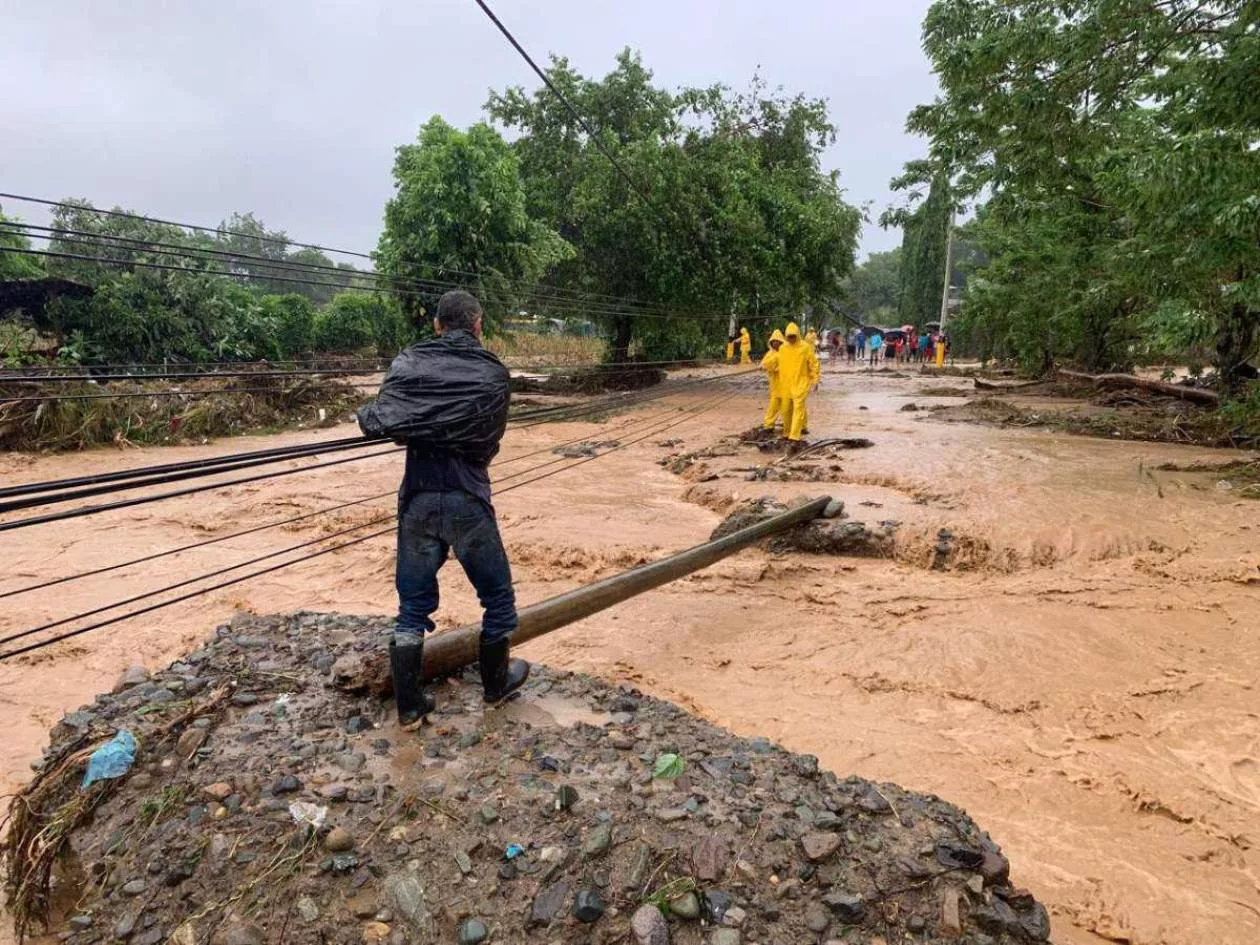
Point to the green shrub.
(293, 319)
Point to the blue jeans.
(430, 526)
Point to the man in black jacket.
(447, 399)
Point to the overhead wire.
(9, 654)
(229, 463)
(611, 367)
(285, 241)
(523, 418)
(293, 519)
(550, 295)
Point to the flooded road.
(1081, 678)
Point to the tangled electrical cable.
(689, 414)
(58, 491)
(290, 520)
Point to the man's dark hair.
(458, 309)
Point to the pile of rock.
(281, 808)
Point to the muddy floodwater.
(1080, 675)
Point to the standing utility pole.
(949, 249)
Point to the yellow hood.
(793, 329)
(777, 336)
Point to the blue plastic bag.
(111, 760)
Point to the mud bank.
(265, 805)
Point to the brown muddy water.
(1081, 677)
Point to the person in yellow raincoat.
(770, 364)
(799, 371)
(745, 346)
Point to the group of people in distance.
(895, 346)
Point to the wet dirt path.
(1082, 679)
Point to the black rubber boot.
(406, 666)
(500, 676)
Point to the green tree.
(459, 214)
(875, 285)
(1114, 142)
(726, 208)
(292, 317)
(13, 265)
(353, 321)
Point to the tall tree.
(873, 291)
(459, 214)
(1115, 143)
(726, 208)
(925, 241)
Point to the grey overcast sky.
(293, 109)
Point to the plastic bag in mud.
(449, 393)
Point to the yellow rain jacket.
(745, 346)
(770, 364)
(798, 372)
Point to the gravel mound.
(265, 805)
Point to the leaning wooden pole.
(447, 652)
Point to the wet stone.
(709, 858)
(339, 840)
(686, 906)
(356, 724)
(588, 905)
(649, 926)
(133, 888)
(132, 676)
(846, 906)
(548, 903)
(597, 842)
(286, 784)
(307, 909)
(472, 931)
(817, 918)
(820, 846)
(826, 820)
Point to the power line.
(227, 464)
(265, 372)
(577, 116)
(573, 308)
(191, 490)
(286, 521)
(278, 453)
(149, 609)
(577, 296)
(134, 244)
(103, 242)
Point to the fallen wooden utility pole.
(447, 652)
(1196, 394)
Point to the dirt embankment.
(79, 416)
(264, 805)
